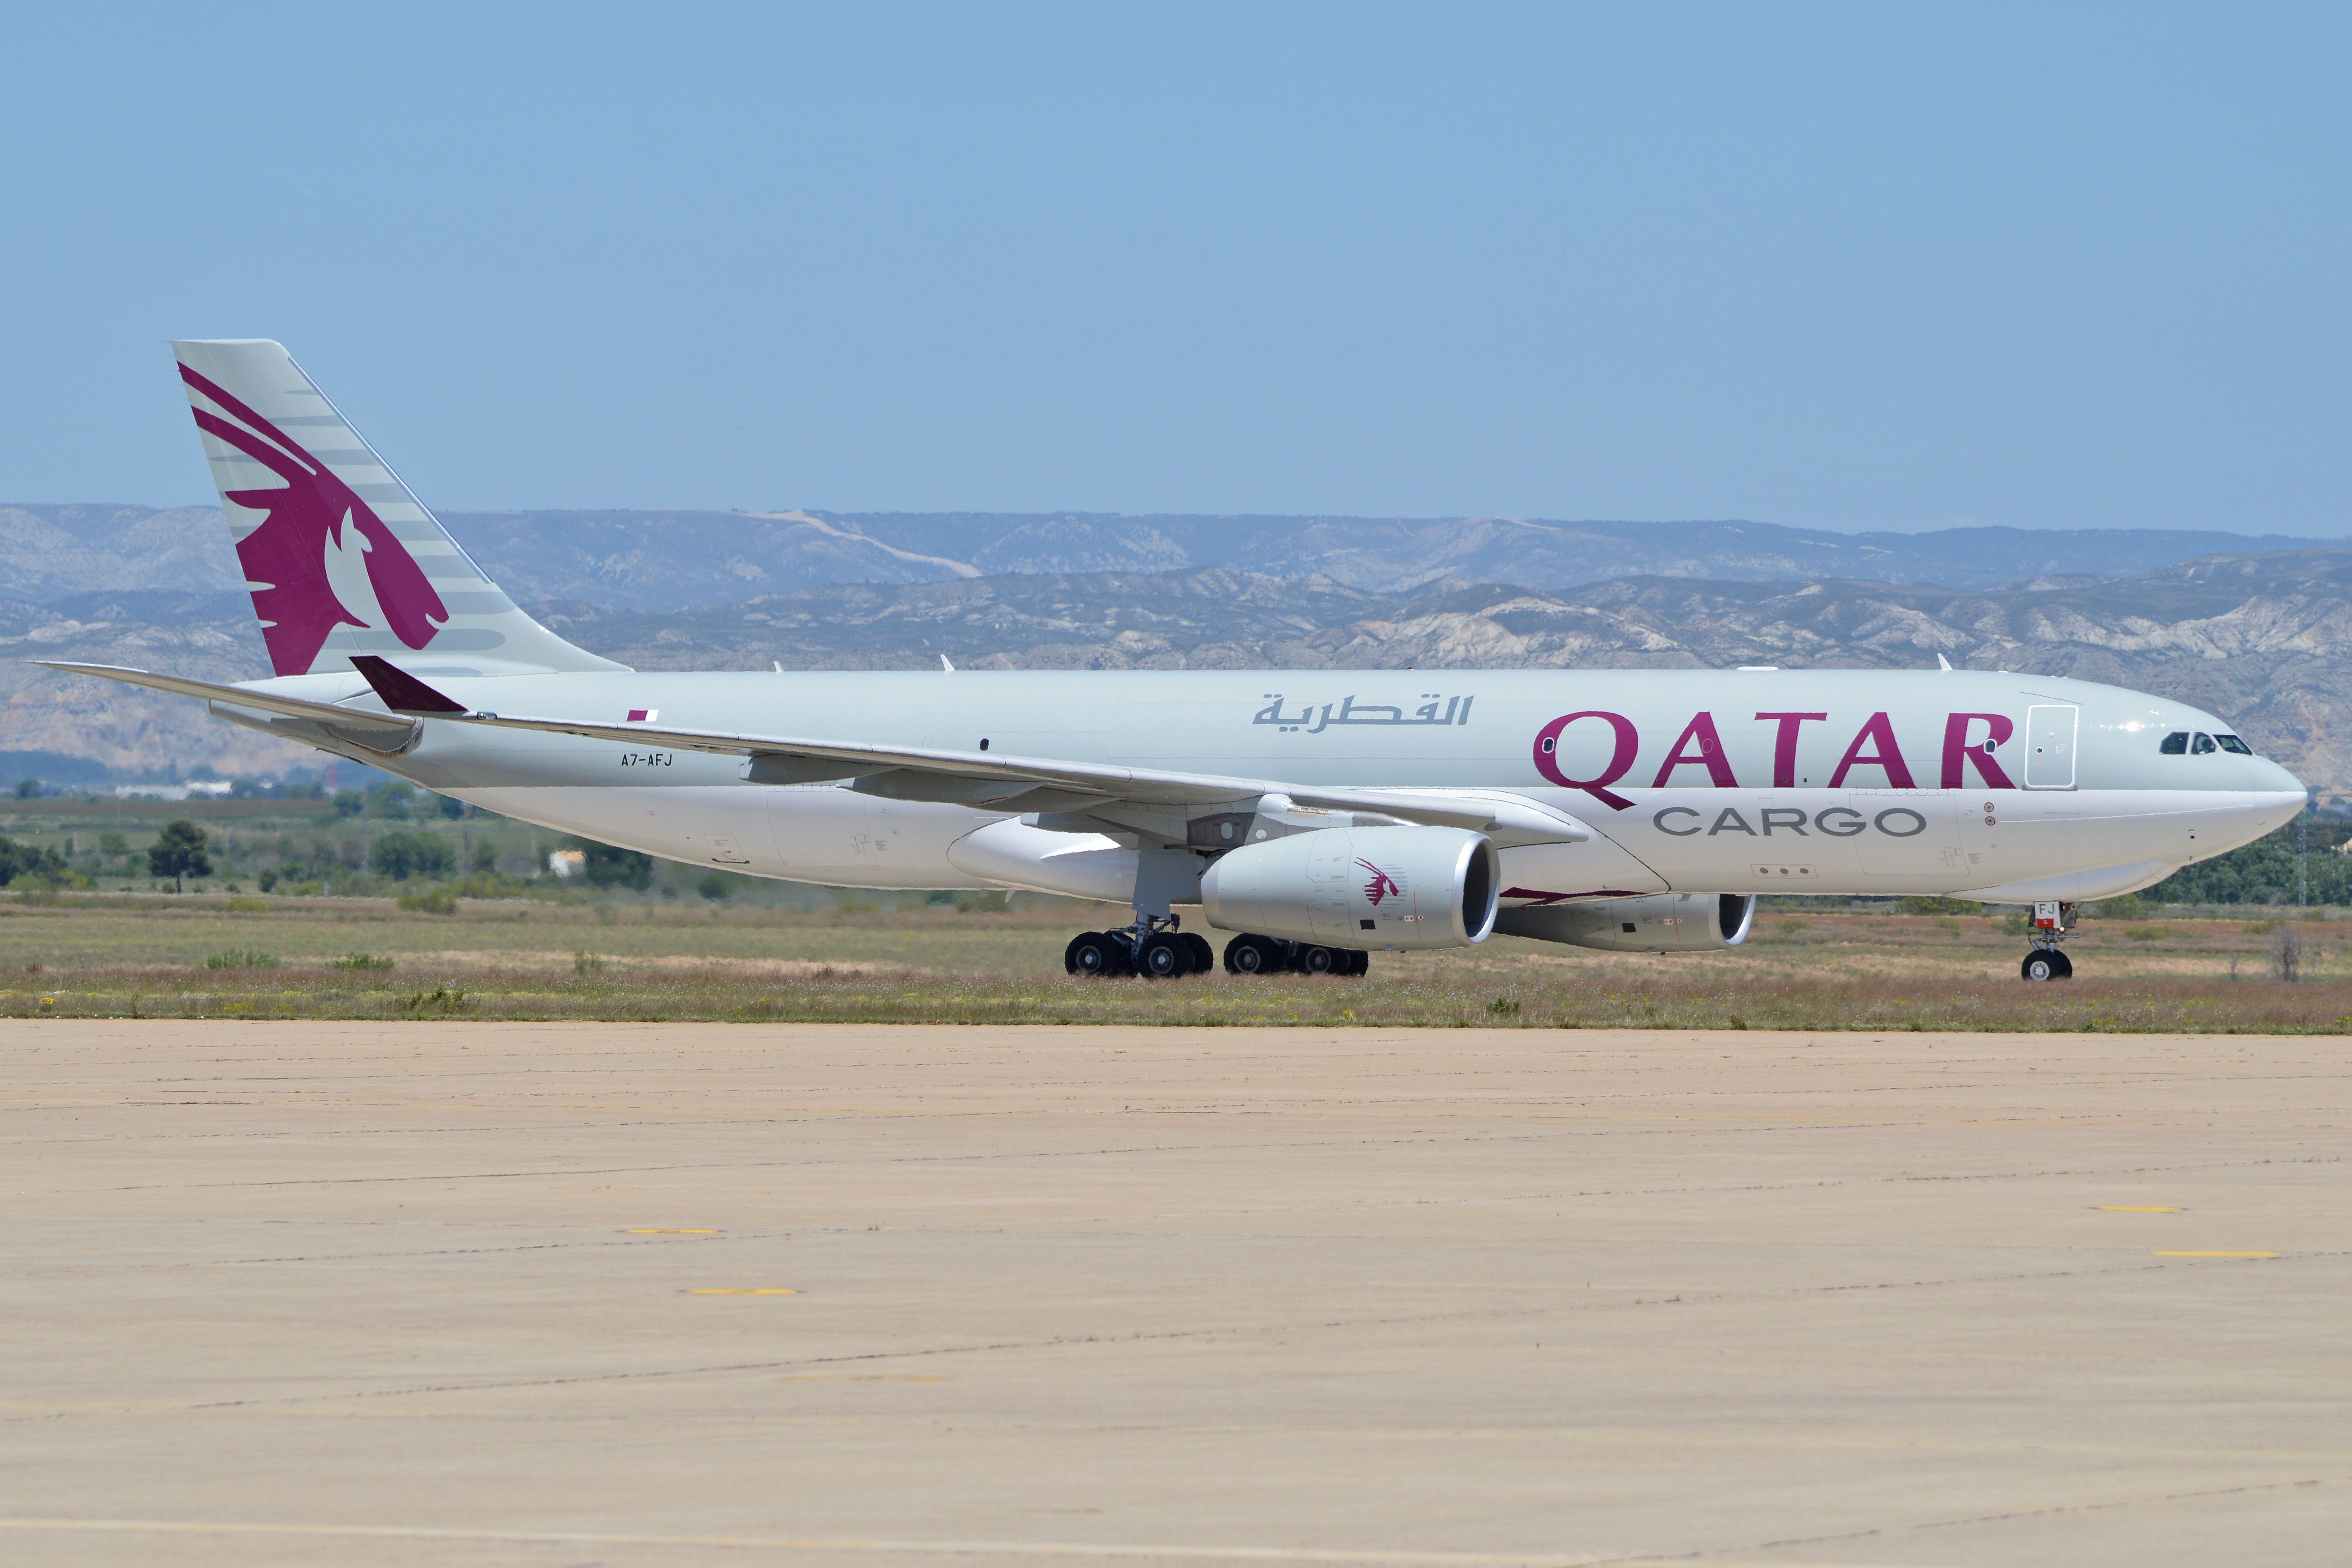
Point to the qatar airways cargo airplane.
(1316, 816)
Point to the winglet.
(403, 692)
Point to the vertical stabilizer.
(340, 558)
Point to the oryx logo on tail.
(322, 558)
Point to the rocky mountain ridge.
(665, 560)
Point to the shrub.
(363, 961)
(239, 905)
(2285, 953)
(429, 901)
(242, 958)
(490, 885)
(1940, 907)
(440, 999)
(608, 867)
(401, 856)
(715, 886)
(350, 803)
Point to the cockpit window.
(2175, 744)
(2233, 745)
(2201, 746)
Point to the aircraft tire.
(1205, 957)
(1359, 961)
(2052, 964)
(1247, 954)
(1093, 954)
(1164, 956)
(1312, 960)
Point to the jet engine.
(1665, 922)
(1359, 888)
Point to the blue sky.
(1853, 268)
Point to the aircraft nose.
(2277, 778)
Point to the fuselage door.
(2050, 745)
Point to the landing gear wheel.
(1322, 961)
(1248, 954)
(1360, 963)
(1164, 955)
(1205, 957)
(2046, 963)
(1093, 954)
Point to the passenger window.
(2233, 745)
(2175, 744)
(2202, 744)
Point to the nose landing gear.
(2051, 921)
(2046, 964)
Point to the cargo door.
(2050, 745)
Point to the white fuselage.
(1842, 781)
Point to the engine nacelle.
(1665, 923)
(1359, 888)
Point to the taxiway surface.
(460, 1293)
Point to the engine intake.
(1665, 923)
(1359, 888)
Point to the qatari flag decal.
(644, 715)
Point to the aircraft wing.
(1516, 817)
(972, 778)
(961, 776)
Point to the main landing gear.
(2051, 921)
(1248, 954)
(1154, 948)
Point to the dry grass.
(1844, 971)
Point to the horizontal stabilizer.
(238, 696)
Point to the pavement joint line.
(1163, 1552)
(1225, 1331)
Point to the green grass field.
(822, 957)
